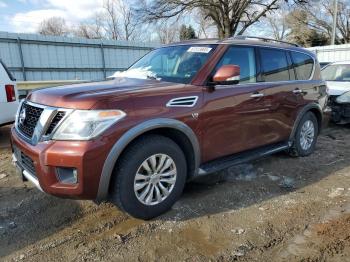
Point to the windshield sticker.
(199, 49)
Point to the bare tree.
(277, 24)
(128, 19)
(205, 24)
(301, 32)
(112, 25)
(120, 20)
(318, 16)
(55, 26)
(229, 16)
(92, 29)
(343, 21)
(167, 32)
(88, 31)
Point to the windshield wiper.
(152, 77)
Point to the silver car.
(337, 76)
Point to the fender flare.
(301, 113)
(135, 132)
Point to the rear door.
(307, 87)
(8, 96)
(282, 91)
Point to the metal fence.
(36, 58)
(332, 53)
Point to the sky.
(24, 16)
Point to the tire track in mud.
(271, 220)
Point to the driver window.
(244, 57)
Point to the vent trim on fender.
(188, 101)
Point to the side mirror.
(227, 75)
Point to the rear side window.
(303, 65)
(244, 57)
(274, 65)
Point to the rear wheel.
(305, 136)
(150, 177)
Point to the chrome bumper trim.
(32, 179)
(27, 174)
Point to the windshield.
(336, 73)
(177, 64)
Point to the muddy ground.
(274, 209)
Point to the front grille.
(58, 117)
(32, 115)
(331, 100)
(27, 163)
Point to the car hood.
(336, 88)
(88, 95)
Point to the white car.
(337, 76)
(8, 96)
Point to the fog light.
(67, 175)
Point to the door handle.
(298, 91)
(256, 95)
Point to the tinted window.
(244, 57)
(274, 65)
(303, 65)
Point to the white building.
(331, 53)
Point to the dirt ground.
(274, 209)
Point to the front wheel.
(150, 177)
(305, 136)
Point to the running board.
(240, 158)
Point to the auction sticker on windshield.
(199, 49)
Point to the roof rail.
(264, 39)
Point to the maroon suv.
(181, 111)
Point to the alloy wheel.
(155, 179)
(307, 135)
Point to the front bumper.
(25, 174)
(340, 112)
(39, 164)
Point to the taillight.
(10, 93)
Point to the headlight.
(87, 124)
(344, 98)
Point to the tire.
(298, 148)
(123, 192)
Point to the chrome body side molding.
(188, 101)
